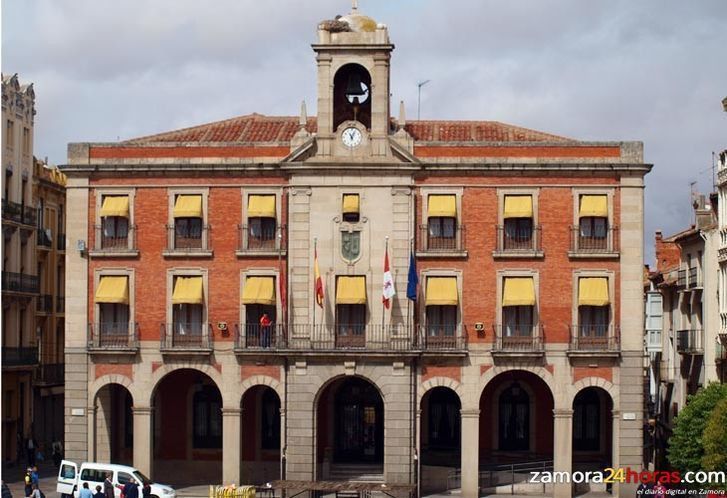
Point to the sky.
(648, 70)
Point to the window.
(350, 311)
(594, 312)
(444, 420)
(514, 419)
(26, 141)
(188, 223)
(94, 475)
(123, 478)
(9, 134)
(67, 471)
(442, 300)
(270, 421)
(351, 208)
(586, 421)
(442, 222)
(112, 299)
(188, 300)
(441, 320)
(517, 321)
(261, 222)
(518, 223)
(207, 418)
(593, 226)
(115, 225)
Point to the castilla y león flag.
(388, 289)
(318, 289)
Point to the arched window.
(514, 419)
(207, 410)
(587, 421)
(444, 419)
(270, 420)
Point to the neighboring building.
(49, 196)
(19, 272)
(722, 258)
(682, 319)
(196, 347)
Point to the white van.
(70, 480)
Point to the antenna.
(354, 5)
(419, 97)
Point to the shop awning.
(259, 290)
(188, 206)
(113, 290)
(518, 206)
(188, 290)
(442, 205)
(441, 291)
(261, 206)
(593, 291)
(115, 205)
(351, 290)
(350, 203)
(518, 291)
(593, 205)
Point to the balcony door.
(350, 325)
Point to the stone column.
(231, 446)
(470, 453)
(143, 451)
(615, 448)
(92, 433)
(562, 449)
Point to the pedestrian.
(28, 482)
(99, 493)
(35, 477)
(659, 490)
(131, 490)
(146, 490)
(641, 490)
(57, 448)
(85, 491)
(265, 323)
(30, 448)
(36, 492)
(108, 486)
(6, 491)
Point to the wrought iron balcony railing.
(520, 241)
(43, 239)
(186, 336)
(188, 241)
(682, 277)
(50, 374)
(690, 341)
(20, 282)
(695, 278)
(19, 213)
(19, 356)
(604, 242)
(594, 337)
(44, 303)
(113, 242)
(113, 336)
(525, 338)
(441, 239)
(254, 239)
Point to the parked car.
(71, 479)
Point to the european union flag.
(413, 279)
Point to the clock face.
(351, 137)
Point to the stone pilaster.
(143, 451)
(470, 453)
(562, 449)
(231, 441)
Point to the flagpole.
(383, 306)
(315, 254)
(408, 301)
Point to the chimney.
(667, 253)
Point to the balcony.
(111, 244)
(44, 304)
(20, 283)
(436, 241)
(653, 341)
(518, 341)
(113, 337)
(375, 339)
(518, 243)
(60, 304)
(695, 278)
(682, 278)
(594, 340)
(690, 341)
(186, 338)
(600, 245)
(43, 239)
(61, 241)
(19, 213)
(50, 374)
(188, 243)
(254, 241)
(720, 354)
(19, 356)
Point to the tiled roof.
(257, 128)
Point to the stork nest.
(335, 26)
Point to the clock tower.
(353, 57)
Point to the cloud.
(617, 70)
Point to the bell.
(354, 88)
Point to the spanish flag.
(318, 283)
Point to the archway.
(440, 437)
(516, 420)
(350, 430)
(351, 95)
(592, 429)
(114, 440)
(260, 432)
(187, 429)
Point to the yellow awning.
(261, 206)
(188, 206)
(593, 205)
(259, 290)
(351, 290)
(114, 290)
(593, 291)
(518, 291)
(441, 291)
(188, 290)
(518, 206)
(442, 205)
(115, 205)
(350, 203)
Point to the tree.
(715, 439)
(686, 446)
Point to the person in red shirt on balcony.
(265, 324)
